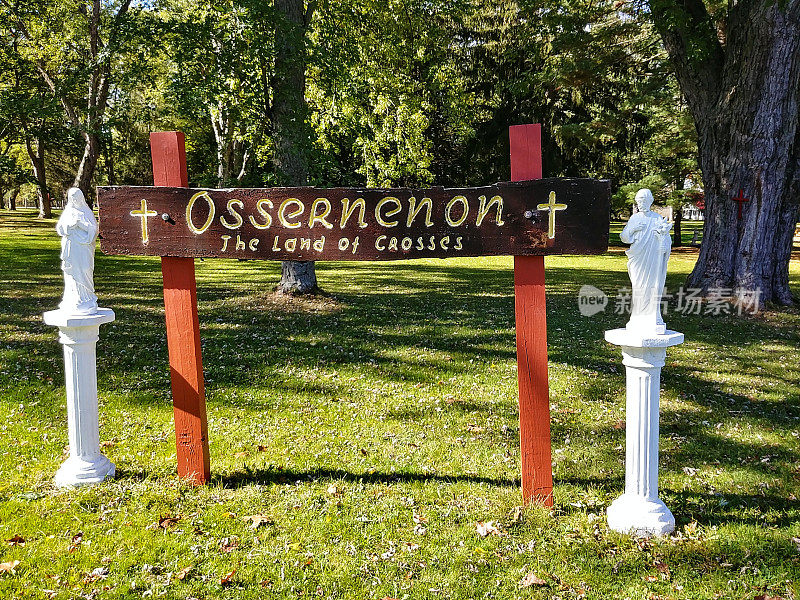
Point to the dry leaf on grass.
(183, 572)
(257, 521)
(76, 542)
(227, 579)
(166, 522)
(487, 528)
(96, 575)
(530, 580)
(228, 544)
(108, 444)
(241, 455)
(419, 519)
(333, 490)
(262, 448)
(8, 567)
(517, 516)
(17, 540)
(662, 568)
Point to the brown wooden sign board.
(545, 216)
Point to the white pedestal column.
(639, 511)
(79, 334)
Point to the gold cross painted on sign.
(143, 213)
(551, 207)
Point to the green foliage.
(399, 92)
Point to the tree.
(72, 47)
(290, 126)
(737, 67)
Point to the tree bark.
(37, 163)
(91, 152)
(677, 238)
(745, 100)
(12, 199)
(290, 126)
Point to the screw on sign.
(305, 223)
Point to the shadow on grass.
(290, 477)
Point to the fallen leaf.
(619, 425)
(517, 516)
(96, 575)
(8, 567)
(334, 491)
(487, 528)
(108, 444)
(228, 544)
(257, 521)
(183, 572)
(419, 519)
(662, 568)
(474, 428)
(241, 455)
(262, 448)
(531, 579)
(76, 542)
(166, 522)
(17, 540)
(227, 578)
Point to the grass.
(372, 429)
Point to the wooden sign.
(546, 216)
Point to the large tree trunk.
(37, 163)
(290, 126)
(12, 199)
(91, 152)
(744, 98)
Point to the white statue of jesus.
(78, 230)
(648, 234)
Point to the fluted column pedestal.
(79, 334)
(639, 511)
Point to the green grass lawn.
(372, 429)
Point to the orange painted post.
(531, 325)
(183, 326)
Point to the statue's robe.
(78, 230)
(647, 265)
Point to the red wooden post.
(183, 326)
(531, 325)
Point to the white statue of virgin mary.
(648, 234)
(78, 230)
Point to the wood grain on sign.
(565, 216)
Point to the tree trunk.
(12, 199)
(108, 148)
(37, 163)
(91, 152)
(291, 131)
(745, 99)
(677, 238)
